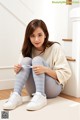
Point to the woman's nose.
(36, 38)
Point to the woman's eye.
(40, 35)
(32, 36)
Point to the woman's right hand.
(17, 68)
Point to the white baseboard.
(7, 84)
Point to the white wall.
(11, 36)
(75, 4)
(56, 17)
(14, 16)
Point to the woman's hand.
(39, 69)
(17, 68)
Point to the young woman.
(43, 69)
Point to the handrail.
(6, 67)
(12, 14)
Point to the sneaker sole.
(37, 108)
(11, 108)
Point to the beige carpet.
(57, 109)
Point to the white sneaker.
(14, 101)
(37, 102)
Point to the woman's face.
(37, 38)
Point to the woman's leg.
(45, 87)
(44, 83)
(21, 78)
(39, 99)
(23, 75)
(39, 80)
(30, 85)
(52, 87)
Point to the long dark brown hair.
(31, 27)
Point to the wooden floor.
(4, 94)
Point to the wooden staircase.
(71, 87)
(72, 49)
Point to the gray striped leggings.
(36, 83)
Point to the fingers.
(17, 68)
(37, 69)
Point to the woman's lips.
(37, 43)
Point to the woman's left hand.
(39, 69)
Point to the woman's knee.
(26, 60)
(37, 59)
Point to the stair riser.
(67, 46)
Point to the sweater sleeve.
(61, 65)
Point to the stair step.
(69, 40)
(69, 2)
(70, 58)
